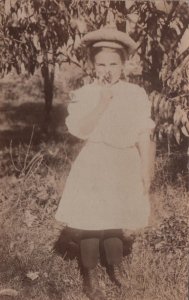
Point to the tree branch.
(180, 36)
(181, 57)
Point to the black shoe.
(91, 286)
(115, 273)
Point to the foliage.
(40, 33)
(159, 33)
(164, 71)
(43, 34)
(32, 31)
(171, 120)
(37, 34)
(170, 108)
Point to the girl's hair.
(93, 51)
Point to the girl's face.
(108, 66)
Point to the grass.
(32, 181)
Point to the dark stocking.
(114, 254)
(89, 252)
(89, 248)
(114, 250)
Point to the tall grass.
(157, 267)
(32, 181)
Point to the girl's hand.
(146, 184)
(147, 152)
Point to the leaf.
(163, 6)
(64, 50)
(102, 10)
(170, 130)
(23, 69)
(32, 246)
(42, 195)
(77, 42)
(30, 9)
(39, 58)
(92, 17)
(45, 32)
(36, 42)
(73, 23)
(160, 134)
(184, 117)
(23, 13)
(33, 19)
(81, 26)
(177, 134)
(13, 179)
(177, 115)
(110, 17)
(132, 67)
(9, 292)
(70, 42)
(7, 6)
(19, 14)
(13, 2)
(29, 218)
(184, 131)
(53, 153)
(32, 275)
(12, 244)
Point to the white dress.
(104, 189)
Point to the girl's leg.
(114, 250)
(89, 251)
(113, 247)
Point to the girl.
(108, 186)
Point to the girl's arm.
(147, 151)
(87, 123)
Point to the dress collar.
(95, 82)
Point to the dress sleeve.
(78, 107)
(143, 113)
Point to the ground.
(35, 161)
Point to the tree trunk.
(48, 77)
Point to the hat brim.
(119, 38)
(108, 44)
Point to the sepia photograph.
(94, 150)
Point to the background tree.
(31, 34)
(40, 34)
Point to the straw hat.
(110, 37)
